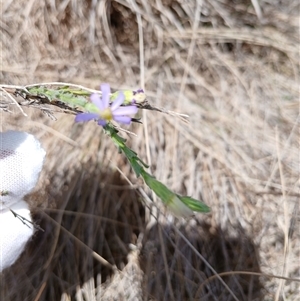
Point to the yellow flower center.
(106, 114)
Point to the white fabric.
(14, 233)
(21, 160)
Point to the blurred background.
(233, 67)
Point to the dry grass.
(236, 73)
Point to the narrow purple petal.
(127, 110)
(120, 99)
(97, 101)
(105, 88)
(102, 122)
(122, 119)
(82, 117)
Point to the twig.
(17, 104)
(24, 220)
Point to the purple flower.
(106, 112)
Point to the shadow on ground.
(106, 219)
(60, 258)
(186, 276)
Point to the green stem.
(180, 205)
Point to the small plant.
(105, 108)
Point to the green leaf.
(194, 204)
(180, 205)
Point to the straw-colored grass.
(233, 67)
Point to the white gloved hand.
(21, 160)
